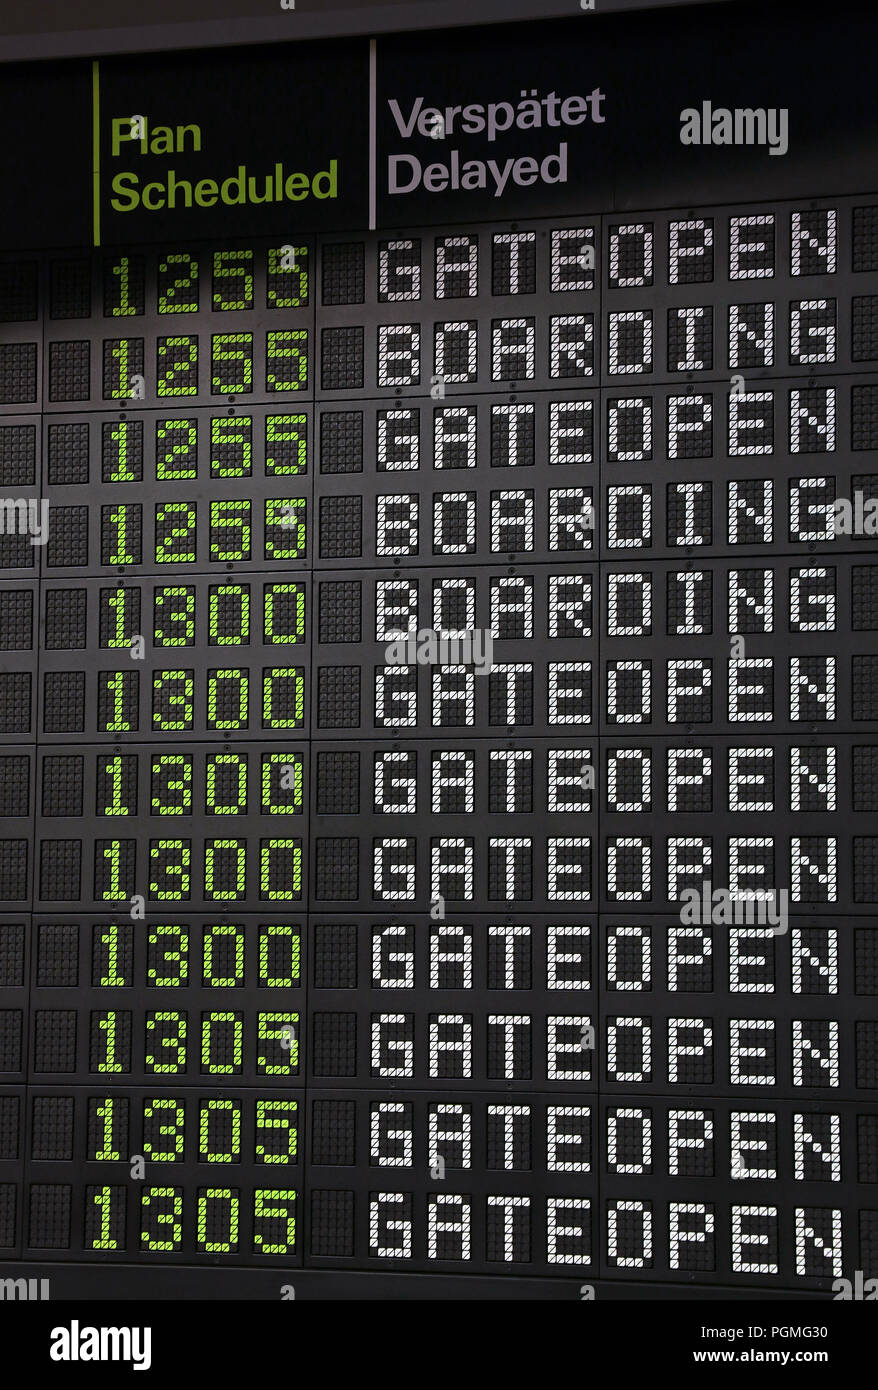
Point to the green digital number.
(283, 609)
(121, 608)
(105, 1114)
(107, 939)
(231, 370)
(281, 1029)
(168, 1221)
(265, 1208)
(229, 615)
(286, 359)
(165, 1048)
(117, 692)
(174, 616)
(280, 861)
(221, 932)
(281, 772)
(215, 1039)
(230, 530)
(232, 280)
(110, 854)
(231, 446)
(177, 366)
(228, 699)
(170, 864)
(279, 955)
(173, 1129)
(209, 1200)
(286, 444)
(214, 1114)
(283, 698)
(285, 528)
(286, 287)
(281, 1116)
(119, 527)
(171, 785)
(120, 444)
(178, 284)
(104, 1198)
(177, 545)
(226, 784)
(219, 853)
(111, 778)
(176, 450)
(168, 956)
(175, 691)
(109, 1037)
(125, 360)
(123, 292)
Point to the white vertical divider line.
(373, 133)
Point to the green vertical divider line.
(96, 152)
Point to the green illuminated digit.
(231, 372)
(157, 1040)
(229, 615)
(285, 530)
(218, 1020)
(279, 948)
(177, 366)
(280, 293)
(215, 850)
(111, 853)
(286, 444)
(163, 1219)
(281, 688)
(114, 542)
(114, 684)
(286, 359)
(176, 450)
(212, 1197)
(174, 617)
(224, 807)
(120, 606)
(280, 861)
(232, 280)
(126, 303)
(276, 1115)
(168, 947)
(208, 1148)
(176, 689)
(212, 935)
(110, 780)
(179, 518)
(228, 699)
(170, 861)
(264, 1244)
(171, 784)
(283, 613)
(230, 529)
(126, 355)
(282, 1029)
(231, 446)
(103, 1200)
(107, 1025)
(117, 434)
(175, 1129)
(110, 978)
(178, 293)
(105, 1113)
(288, 767)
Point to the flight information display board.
(438, 762)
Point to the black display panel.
(438, 763)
